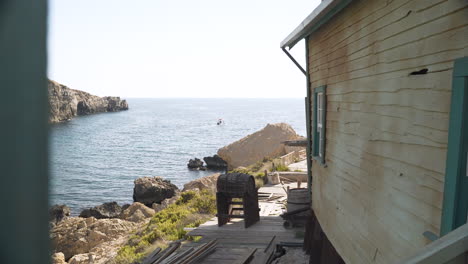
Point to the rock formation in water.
(66, 103)
(215, 162)
(195, 163)
(105, 210)
(149, 190)
(265, 143)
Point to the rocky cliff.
(66, 103)
(265, 143)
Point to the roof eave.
(324, 12)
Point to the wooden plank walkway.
(235, 243)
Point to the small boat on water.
(220, 122)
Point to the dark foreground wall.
(23, 132)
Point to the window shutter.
(324, 121)
(318, 132)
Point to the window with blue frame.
(319, 121)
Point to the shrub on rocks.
(190, 210)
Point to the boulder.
(105, 210)
(58, 212)
(195, 163)
(76, 235)
(164, 204)
(82, 259)
(58, 258)
(204, 183)
(66, 103)
(149, 190)
(257, 146)
(137, 212)
(215, 162)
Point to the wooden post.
(251, 210)
(222, 204)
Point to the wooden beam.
(319, 16)
(308, 122)
(447, 249)
(296, 143)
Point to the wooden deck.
(236, 243)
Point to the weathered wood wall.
(386, 130)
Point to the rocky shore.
(113, 233)
(66, 103)
(99, 232)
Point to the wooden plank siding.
(386, 130)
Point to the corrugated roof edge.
(324, 12)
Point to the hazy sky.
(176, 48)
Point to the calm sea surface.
(94, 159)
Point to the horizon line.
(124, 97)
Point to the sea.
(95, 159)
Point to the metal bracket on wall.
(431, 236)
(295, 62)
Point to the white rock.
(76, 235)
(137, 212)
(82, 259)
(259, 145)
(204, 183)
(58, 258)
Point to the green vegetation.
(241, 170)
(260, 179)
(190, 210)
(257, 166)
(280, 167)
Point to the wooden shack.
(387, 107)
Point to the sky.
(177, 48)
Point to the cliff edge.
(66, 103)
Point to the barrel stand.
(237, 185)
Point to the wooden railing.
(449, 249)
(292, 157)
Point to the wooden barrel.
(235, 184)
(298, 199)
